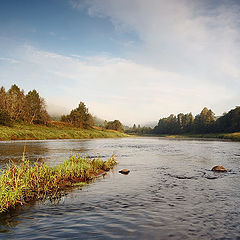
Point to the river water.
(170, 192)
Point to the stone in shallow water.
(124, 171)
(219, 169)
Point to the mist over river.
(170, 192)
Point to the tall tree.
(15, 102)
(180, 121)
(35, 108)
(3, 99)
(206, 120)
(79, 117)
(188, 122)
(229, 122)
(115, 125)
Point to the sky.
(136, 61)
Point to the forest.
(16, 106)
(205, 122)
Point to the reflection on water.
(52, 151)
(170, 192)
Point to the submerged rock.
(219, 169)
(124, 171)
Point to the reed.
(23, 182)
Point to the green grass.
(228, 136)
(23, 182)
(39, 132)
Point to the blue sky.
(135, 61)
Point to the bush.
(5, 118)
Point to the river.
(170, 192)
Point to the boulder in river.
(124, 171)
(219, 169)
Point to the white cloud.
(191, 37)
(112, 88)
(11, 60)
(195, 39)
(187, 57)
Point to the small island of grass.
(23, 182)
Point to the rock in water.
(219, 169)
(124, 171)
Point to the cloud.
(195, 39)
(112, 88)
(186, 57)
(191, 37)
(10, 60)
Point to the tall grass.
(23, 182)
(30, 131)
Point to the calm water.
(169, 194)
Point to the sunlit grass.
(23, 182)
(30, 131)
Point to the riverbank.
(226, 136)
(54, 131)
(23, 182)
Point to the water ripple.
(170, 192)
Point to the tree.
(115, 125)
(188, 123)
(3, 99)
(229, 122)
(79, 117)
(180, 121)
(206, 120)
(5, 118)
(15, 102)
(35, 108)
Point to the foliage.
(35, 108)
(22, 183)
(79, 117)
(138, 130)
(114, 125)
(203, 123)
(29, 108)
(229, 122)
(5, 118)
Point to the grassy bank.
(228, 136)
(54, 131)
(22, 183)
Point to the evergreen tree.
(115, 125)
(15, 102)
(79, 117)
(35, 108)
(3, 99)
(5, 118)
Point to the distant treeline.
(138, 130)
(15, 105)
(80, 117)
(205, 122)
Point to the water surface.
(170, 192)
